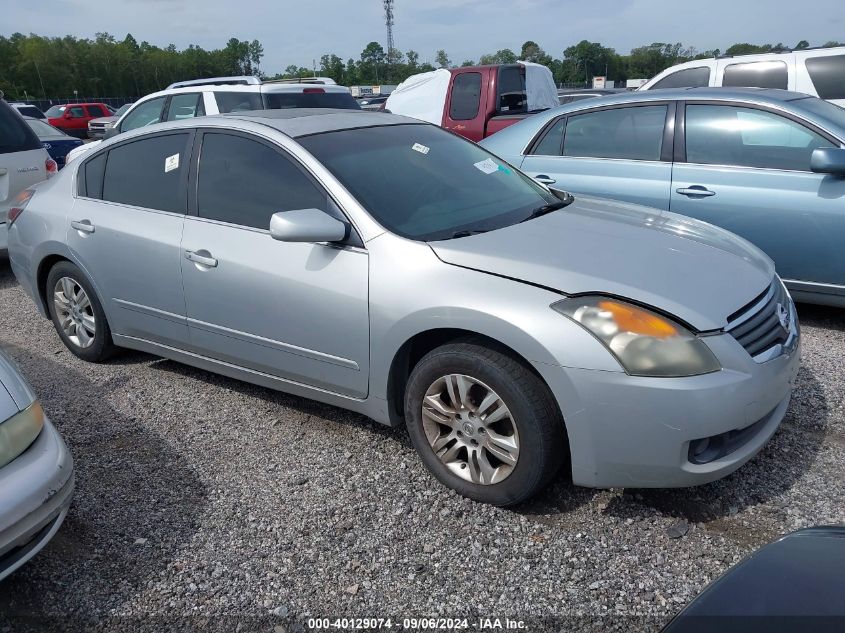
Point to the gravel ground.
(204, 503)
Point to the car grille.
(757, 326)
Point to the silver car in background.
(388, 267)
(36, 473)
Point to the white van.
(814, 71)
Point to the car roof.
(296, 122)
(764, 95)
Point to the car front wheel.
(483, 423)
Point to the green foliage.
(36, 67)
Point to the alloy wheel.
(470, 429)
(75, 312)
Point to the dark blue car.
(56, 142)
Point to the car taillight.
(311, 91)
(52, 167)
(19, 205)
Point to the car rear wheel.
(77, 314)
(483, 423)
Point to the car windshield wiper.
(466, 233)
(547, 208)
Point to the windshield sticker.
(171, 163)
(488, 166)
(422, 149)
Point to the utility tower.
(388, 20)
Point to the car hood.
(693, 270)
(104, 119)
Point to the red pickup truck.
(476, 101)
(72, 118)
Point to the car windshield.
(55, 111)
(311, 98)
(43, 129)
(826, 109)
(427, 184)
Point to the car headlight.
(19, 431)
(644, 342)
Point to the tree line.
(37, 67)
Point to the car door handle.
(542, 178)
(203, 258)
(84, 226)
(696, 191)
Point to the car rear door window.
(238, 101)
(77, 111)
(828, 76)
(144, 114)
(466, 97)
(630, 133)
(15, 134)
(756, 75)
(687, 78)
(244, 181)
(185, 106)
(747, 137)
(148, 173)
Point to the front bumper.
(629, 431)
(36, 490)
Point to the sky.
(300, 32)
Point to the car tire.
(77, 314)
(523, 446)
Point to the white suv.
(218, 95)
(819, 72)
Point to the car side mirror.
(828, 160)
(306, 225)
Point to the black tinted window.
(91, 182)
(687, 78)
(466, 93)
(550, 144)
(97, 111)
(245, 182)
(310, 98)
(512, 97)
(148, 173)
(745, 137)
(756, 75)
(32, 111)
(15, 134)
(238, 101)
(633, 133)
(828, 75)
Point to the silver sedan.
(389, 267)
(36, 473)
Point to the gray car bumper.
(627, 431)
(35, 493)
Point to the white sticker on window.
(171, 163)
(422, 149)
(488, 166)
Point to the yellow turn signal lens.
(631, 319)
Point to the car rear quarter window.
(551, 143)
(244, 181)
(91, 177)
(97, 111)
(15, 134)
(466, 96)
(687, 78)
(748, 137)
(238, 101)
(148, 173)
(828, 75)
(757, 75)
(631, 133)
